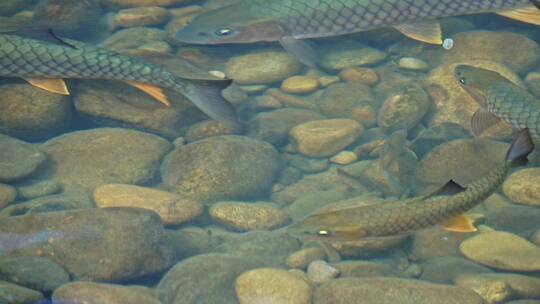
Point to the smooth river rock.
(262, 67)
(171, 207)
(221, 168)
(99, 293)
(502, 250)
(18, 159)
(241, 216)
(523, 186)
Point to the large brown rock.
(112, 244)
(221, 168)
(87, 159)
(18, 159)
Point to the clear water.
(108, 196)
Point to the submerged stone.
(88, 292)
(18, 159)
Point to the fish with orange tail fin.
(44, 60)
(391, 218)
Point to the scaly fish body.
(391, 218)
(499, 98)
(31, 58)
(272, 20)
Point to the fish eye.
(462, 80)
(224, 32)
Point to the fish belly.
(319, 18)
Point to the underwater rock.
(436, 135)
(7, 195)
(365, 269)
(132, 38)
(239, 216)
(321, 138)
(364, 248)
(299, 85)
(75, 19)
(262, 67)
(391, 290)
(25, 118)
(220, 168)
(533, 83)
(403, 110)
(497, 46)
(87, 159)
(11, 293)
(263, 248)
(209, 128)
(273, 285)
(365, 76)
(112, 244)
(435, 242)
(171, 207)
(450, 103)
(137, 3)
(202, 279)
(342, 100)
(189, 241)
(122, 106)
(344, 158)
(521, 220)
(141, 16)
(320, 272)
(89, 292)
(413, 64)
(307, 164)
(521, 286)
(33, 272)
(50, 203)
(36, 188)
(445, 269)
(10, 7)
(348, 54)
(302, 258)
(462, 160)
(18, 159)
(502, 250)
(274, 126)
(523, 186)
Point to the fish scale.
(318, 18)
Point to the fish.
(44, 60)
(292, 21)
(499, 99)
(401, 217)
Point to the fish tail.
(206, 95)
(520, 149)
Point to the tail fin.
(520, 148)
(206, 95)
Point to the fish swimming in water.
(391, 218)
(499, 99)
(291, 21)
(43, 59)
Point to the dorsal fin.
(529, 14)
(42, 34)
(428, 31)
(450, 188)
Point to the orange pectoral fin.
(459, 223)
(48, 84)
(151, 90)
(530, 14)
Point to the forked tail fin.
(520, 148)
(206, 95)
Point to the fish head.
(230, 24)
(326, 226)
(476, 81)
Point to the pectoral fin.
(48, 84)
(529, 14)
(151, 90)
(301, 50)
(482, 120)
(425, 31)
(459, 223)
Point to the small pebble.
(365, 76)
(344, 158)
(328, 80)
(320, 272)
(415, 64)
(218, 74)
(299, 85)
